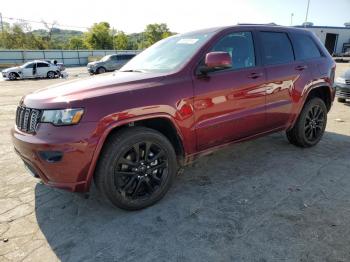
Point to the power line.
(43, 23)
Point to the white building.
(336, 39)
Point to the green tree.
(121, 41)
(76, 42)
(153, 33)
(99, 36)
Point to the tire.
(341, 100)
(101, 70)
(311, 124)
(12, 76)
(51, 74)
(131, 182)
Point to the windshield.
(105, 58)
(168, 54)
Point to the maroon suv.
(183, 97)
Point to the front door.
(230, 104)
(29, 71)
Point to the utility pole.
(307, 10)
(2, 25)
(291, 19)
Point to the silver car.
(33, 69)
(342, 85)
(109, 63)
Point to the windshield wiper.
(133, 70)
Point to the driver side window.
(30, 65)
(240, 46)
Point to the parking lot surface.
(263, 200)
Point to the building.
(336, 39)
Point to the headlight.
(340, 80)
(62, 117)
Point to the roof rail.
(269, 24)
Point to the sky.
(180, 15)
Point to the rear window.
(305, 47)
(277, 48)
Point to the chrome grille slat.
(27, 119)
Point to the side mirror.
(216, 61)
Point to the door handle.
(301, 67)
(255, 75)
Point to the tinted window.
(114, 57)
(42, 65)
(240, 46)
(31, 65)
(277, 48)
(305, 47)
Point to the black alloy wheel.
(140, 171)
(314, 123)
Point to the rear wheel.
(101, 70)
(310, 126)
(136, 168)
(341, 100)
(51, 74)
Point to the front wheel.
(101, 70)
(12, 76)
(311, 124)
(136, 168)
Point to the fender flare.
(107, 130)
(304, 95)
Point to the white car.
(33, 69)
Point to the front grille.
(347, 81)
(27, 119)
(343, 92)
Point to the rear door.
(42, 69)
(286, 77)
(230, 104)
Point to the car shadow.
(221, 208)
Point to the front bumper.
(91, 70)
(74, 145)
(342, 91)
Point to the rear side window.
(277, 48)
(305, 47)
(42, 65)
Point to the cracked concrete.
(263, 200)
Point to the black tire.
(126, 177)
(101, 70)
(341, 100)
(51, 74)
(309, 128)
(12, 76)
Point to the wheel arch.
(164, 124)
(322, 90)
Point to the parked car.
(342, 85)
(109, 63)
(183, 97)
(33, 69)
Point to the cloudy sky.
(180, 15)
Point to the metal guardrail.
(67, 57)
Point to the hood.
(15, 68)
(93, 63)
(64, 94)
